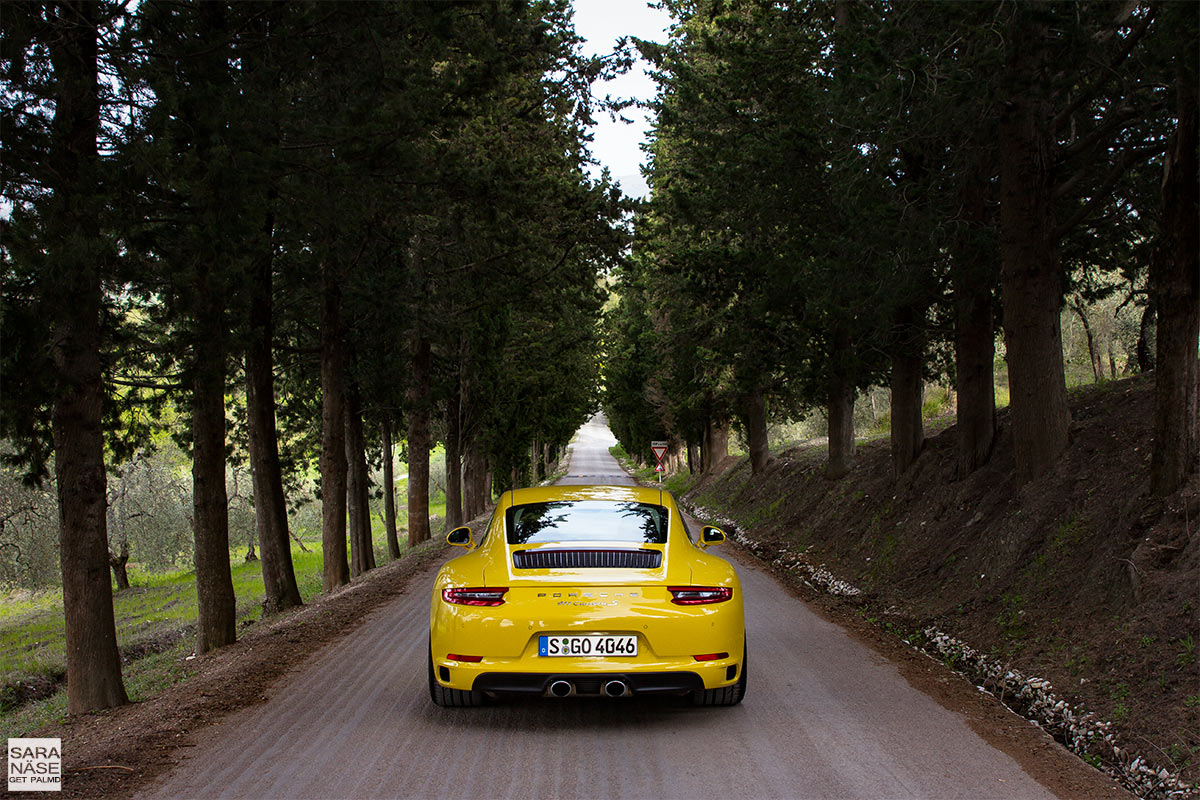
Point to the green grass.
(1003, 397)
(765, 512)
(1186, 656)
(679, 483)
(32, 632)
(937, 403)
(646, 474)
(153, 612)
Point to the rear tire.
(726, 695)
(451, 698)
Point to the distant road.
(590, 461)
(825, 717)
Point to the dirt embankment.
(1080, 577)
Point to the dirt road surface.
(825, 716)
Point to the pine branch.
(1101, 133)
(1106, 71)
(146, 384)
(1103, 192)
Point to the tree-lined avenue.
(825, 716)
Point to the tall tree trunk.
(362, 549)
(974, 357)
(537, 465)
(1145, 353)
(119, 560)
(1177, 282)
(974, 272)
(119, 564)
(717, 444)
(1031, 276)
(93, 661)
(908, 393)
(217, 622)
(389, 492)
(270, 504)
(1093, 352)
(693, 457)
(336, 571)
(418, 443)
(477, 482)
(841, 428)
(840, 411)
(469, 481)
(756, 430)
(454, 487)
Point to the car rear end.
(642, 612)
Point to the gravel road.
(825, 716)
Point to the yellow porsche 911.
(587, 590)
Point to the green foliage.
(1186, 655)
(765, 513)
(824, 199)
(679, 483)
(937, 403)
(428, 159)
(1011, 619)
(151, 617)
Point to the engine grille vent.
(582, 559)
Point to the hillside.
(1080, 578)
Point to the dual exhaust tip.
(614, 688)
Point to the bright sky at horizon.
(617, 145)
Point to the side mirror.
(711, 535)
(460, 537)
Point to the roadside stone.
(1043, 707)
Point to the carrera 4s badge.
(587, 594)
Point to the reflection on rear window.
(586, 521)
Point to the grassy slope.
(155, 630)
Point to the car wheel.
(726, 695)
(451, 698)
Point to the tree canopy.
(289, 233)
(848, 195)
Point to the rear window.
(586, 521)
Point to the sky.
(616, 144)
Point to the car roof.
(542, 494)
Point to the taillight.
(475, 596)
(711, 656)
(466, 659)
(699, 595)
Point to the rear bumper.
(533, 676)
(589, 683)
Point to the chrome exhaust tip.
(561, 689)
(616, 689)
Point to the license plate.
(591, 645)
